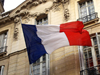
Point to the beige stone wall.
(95, 28)
(18, 64)
(4, 62)
(63, 61)
(18, 44)
(96, 6)
(1, 7)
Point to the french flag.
(42, 39)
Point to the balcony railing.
(91, 71)
(88, 17)
(3, 50)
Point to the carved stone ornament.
(65, 1)
(66, 14)
(25, 11)
(17, 22)
(55, 1)
(40, 1)
(47, 10)
(16, 31)
(56, 6)
(44, 0)
(27, 18)
(36, 14)
(35, 3)
(65, 6)
(17, 19)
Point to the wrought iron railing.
(3, 49)
(91, 71)
(88, 17)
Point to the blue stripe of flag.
(34, 45)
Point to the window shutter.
(1, 42)
(98, 41)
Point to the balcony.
(3, 50)
(89, 18)
(91, 71)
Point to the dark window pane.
(87, 11)
(99, 39)
(44, 57)
(95, 40)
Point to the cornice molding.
(29, 3)
(5, 20)
(54, 7)
(21, 13)
(32, 3)
(13, 17)
(12, 54)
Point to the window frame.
(94, 56)
(4, 47)
(42, 17)
(87, 12)
(41, 63)
(86, 6)
(1, 70)
(98, 42)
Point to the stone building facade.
(71, 60)
(1, 6)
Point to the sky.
(11, 4)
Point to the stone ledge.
(11, 54)
(91, 21)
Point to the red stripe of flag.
(76, 34)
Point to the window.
(90, 57)
(41, 66)
(3, 40)
(42, 20)
(1, 70)
(86, 11)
